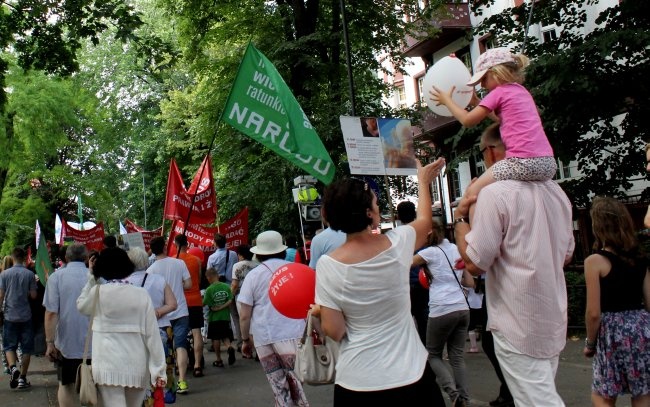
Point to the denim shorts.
(180, 329)
(14, 333)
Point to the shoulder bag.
(316, 357)
(455, 276)
(85, 384)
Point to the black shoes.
(502, 402)
(15, 374)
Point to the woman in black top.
(618, 299)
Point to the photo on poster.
(379, 146)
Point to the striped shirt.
(522, 235)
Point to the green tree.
(305, 42)
(591, 88)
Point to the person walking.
(194, 301)
(65, 326)
(17, 287)
(522, 236)
(362, 299)
(448, 313)
(218, 298)
(128, 355)
(223, 261)
(618, 301)
(276, 336)
(178, 277)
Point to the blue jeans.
(18, 332)
(451, 330)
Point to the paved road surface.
(244, 384)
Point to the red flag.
(178, 199)
(235, 229)
(93, 238)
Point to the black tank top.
(622, 288)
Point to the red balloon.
(195, 251)
(424, 281)
(292, 290)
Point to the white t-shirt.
(445, 295)
(267, 324)
(381, 348)
(175, 272)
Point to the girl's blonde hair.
(511, 72)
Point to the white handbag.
(316, 359)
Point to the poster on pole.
(379, 146)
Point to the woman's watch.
(461, 219)
(246, 340)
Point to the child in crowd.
(218, 297)
(529, 156)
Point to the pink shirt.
(521, 235)
(521, 127)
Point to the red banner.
(235, 230)
(93, 238)
(147, 235)
(179, 200)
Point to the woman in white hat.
(529, 156)
(276, 336)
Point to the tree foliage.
(591, 87)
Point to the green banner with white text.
(262, 106)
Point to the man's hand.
(52, 353)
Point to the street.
(245, 385)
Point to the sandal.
(198, 372)
(218, 363)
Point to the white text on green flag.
(262, 106)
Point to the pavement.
(244, 384)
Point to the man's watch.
(246, 340)
(461, 219)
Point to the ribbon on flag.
(179, 200)
(261, 106)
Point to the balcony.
(455, 25)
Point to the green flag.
(262, 106)
(43, 263)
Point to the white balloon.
(449, 71)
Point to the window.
(563, 170)
(401, 96)
(421, 97)
(455, 185)
(435, 195)
(549, 34)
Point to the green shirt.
(217, 294)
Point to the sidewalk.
(244, 384)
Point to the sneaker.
(231, 356)
(23, 383)
(182, 387)
(15, 374)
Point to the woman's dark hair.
(346, 203)
(437, 233)
(113, 263)
(264, 257)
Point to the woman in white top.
(448, 313)
(362, 297)
(128, 355)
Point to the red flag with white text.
(147, 235)
(92, 238)
(179, 200)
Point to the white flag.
(57, 229)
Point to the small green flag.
(43, 263)
(262, 106)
